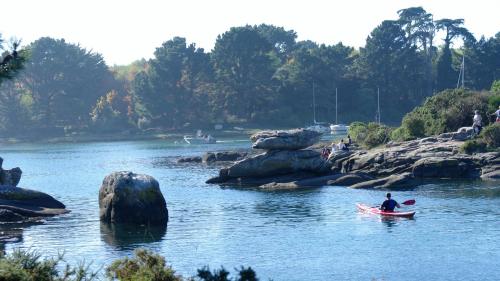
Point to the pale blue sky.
(126, 30)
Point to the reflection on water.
(126, 235)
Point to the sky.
(126, 30)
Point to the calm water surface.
(314, 234)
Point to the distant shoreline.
(83, 138)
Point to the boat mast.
(336, 121)
(378, 105)
(314, 105)
(461, 74)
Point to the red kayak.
(377, 211)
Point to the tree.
(420, 31)
(64, 81)
(10, 62)
(244, 72)
(175, 85)
(446, 75)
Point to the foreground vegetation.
(144, 266)
(254, 76)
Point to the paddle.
(409, 202)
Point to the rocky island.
(291, 161)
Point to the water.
(314, 234)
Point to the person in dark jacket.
(389, 204)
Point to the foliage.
(260, 76)
(491, 135)
(144, 266)
(244, 274)
(110, 112)
(472, 146)
(23, 265)
(369, 135)
(445, 112)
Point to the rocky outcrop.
(404, 180)
(9, 177)
(284, 140)
(276, 162)
(125, 197)
(27, 204)
(395, 165)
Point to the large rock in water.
(276, 162)
(126, 197)
(284, 140)
(29, 203)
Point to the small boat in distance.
(199, 138)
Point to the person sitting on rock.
(477, 123)
(389, 204)
(325, 153)
(349, 141)
(342, 146)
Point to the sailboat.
(320, 127)
(337, 128)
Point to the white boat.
(319, 127)
(200, 140)
(339, 128)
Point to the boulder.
(277, 162)
(492, 175)
(9, 177)
(404, 180)
(285, 140)
(126, 197)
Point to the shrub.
(472, 146)
(491, 135)
(144, 266)
(244, 274)
(369, 135)
(23, 265)
(446, 111)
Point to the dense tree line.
(255, 76)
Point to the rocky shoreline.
(290, 162)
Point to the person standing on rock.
(477, 123)
(389, 204)
(497, 114)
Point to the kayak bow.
(368, 209)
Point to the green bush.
(491, 135)
(472, 146)
(446, 111)
(244, 274)
(369, 135)
(23, 265)
(144, 266)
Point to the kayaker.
(389, 204)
